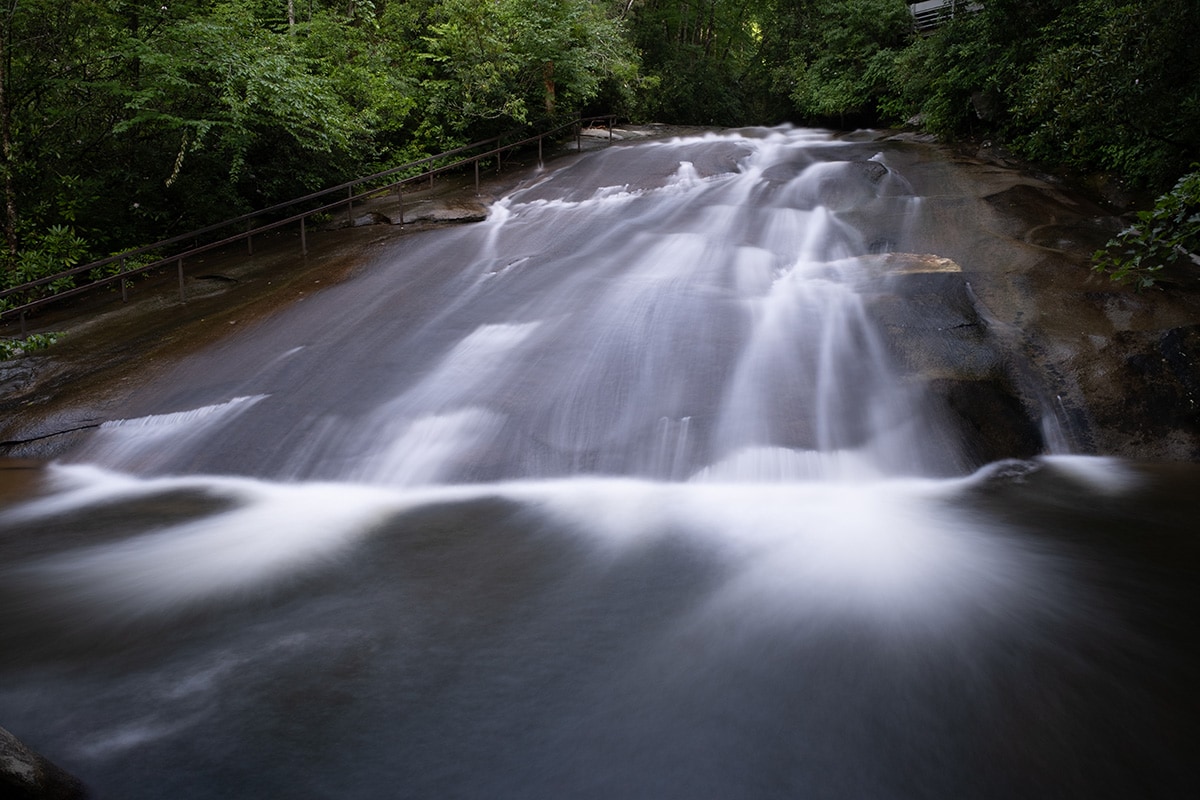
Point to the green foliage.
(53, 250)
(471, 65)
(57, 77)
(126, 264)
(1088, 85)
(168, 117)
(14, 348)
(1105, 93)
(47, 253)
(937, 76)
(496, 64)
(843, 63)
(216, 104)
(371, 67)
(703, 60)
(1166, 235)
(130, 122)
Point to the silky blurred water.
(621, 493)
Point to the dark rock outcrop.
(25, 775)
(925, 308)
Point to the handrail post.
(179, 265)
(303, 239)
(124, 285)
(540, 162)
(249, 243)
(476, 177)
(23, 334)
(350, 207)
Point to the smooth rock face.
(1167, 360)
(24, 775)
(1106, 357)
(936, 334)
(1002, 302)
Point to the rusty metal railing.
(347, 193)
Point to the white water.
(685, 305)
(883, 549)
(634, 502)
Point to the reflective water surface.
(621, 493)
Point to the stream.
(629, 491)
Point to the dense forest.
(124, 121)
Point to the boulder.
(925, 308)
(25, 775)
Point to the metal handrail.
(301, 217)
(929, 14)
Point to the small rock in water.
(871, 170)
(24, 775)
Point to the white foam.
(781, 464)
(1105, 475)
(82, 485)
(880, 549)
(141, 442)
(158, 426)
(430, 447)
(423, 434)
(275, 530)
(132, 735)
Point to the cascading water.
(621, 493)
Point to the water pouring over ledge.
(630, 491)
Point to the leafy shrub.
(14, 348)
(124, 265)
(1167, 234)
(53, 250)
(937, 76)
(56, 249)
(845, 63)
(1108, 91)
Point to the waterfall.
(709, 285)
(631, 490)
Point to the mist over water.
(620, 493)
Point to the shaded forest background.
(122, 122)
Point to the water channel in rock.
(628, 492)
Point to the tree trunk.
(6, 155)
(291, 14)
(548, 82)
